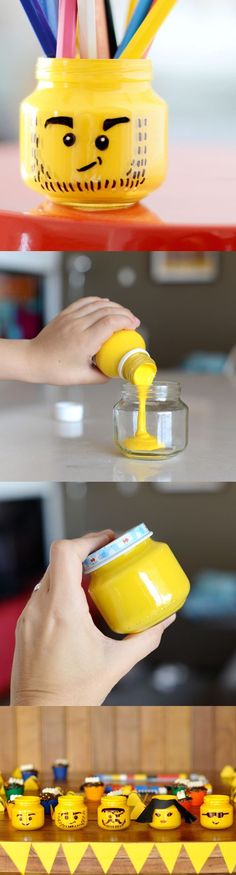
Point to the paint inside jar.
(142, 378)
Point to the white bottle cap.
(68, 411)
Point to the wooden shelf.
(194, 210)
(139, 849)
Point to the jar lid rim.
(116, 548)
(77, 66)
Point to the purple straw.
(40, 26)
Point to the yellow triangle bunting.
(138, 853)
(47, 852)
(228, 850)
(199, 853)
(169, 853)
(74, 853)
(105, 852)
(18, 853)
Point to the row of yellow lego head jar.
(116, 811)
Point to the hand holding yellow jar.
(136, 582)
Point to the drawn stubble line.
(137, 179)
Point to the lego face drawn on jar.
(25, 818)
(26, 812)
(71, 819)
(165, 812)
(70, 813)
(77, 153)
(113, 818)
(216, 812)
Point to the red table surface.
(195, 210)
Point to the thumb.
(135, 647)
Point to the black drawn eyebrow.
(60, 120)
(111, 122)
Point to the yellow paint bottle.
(216, 812)
(113, 813)
(124, 355)
(136, 582)
(71, 813)
(26, 812)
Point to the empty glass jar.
(166, 421)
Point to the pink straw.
(66, 34)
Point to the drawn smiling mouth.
(88, 166)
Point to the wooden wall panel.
(127, 739)
(119, 739)
(225, 736)
(178, 741)
(103, 739)
(53, 722)
(28, 736)
(152, 738)
(203, 738)
(7, 738)
(78, 739)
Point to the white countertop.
(32, 449)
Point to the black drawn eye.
(102, 142)
(69, 139)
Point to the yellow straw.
(131, 8)
(144, 36)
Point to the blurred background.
(40, 735)
(196, 663)
(194, 67)
(186, 300)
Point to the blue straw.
(138, 16)
(40, 26)
(52, 14)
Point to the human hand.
(61, 658)
(63, 351)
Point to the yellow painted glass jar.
(136, 582)
(71, 812)
(94, 133)
(113, 813)
(26, 812)
(161, 431)
(216, 812)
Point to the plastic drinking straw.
(87, 28)
(66, 33)
(103, 48)
(147, 30)
(111, 28)
(138, 16)
(40, 26)
(52, 13)
(131, 8)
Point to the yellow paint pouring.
(142, 441)
(125, 355)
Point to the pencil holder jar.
(113, 813)
(216, 812)
(26, 812)
(71, 812)
(136, 582)
(153, 425)
(93, 135)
